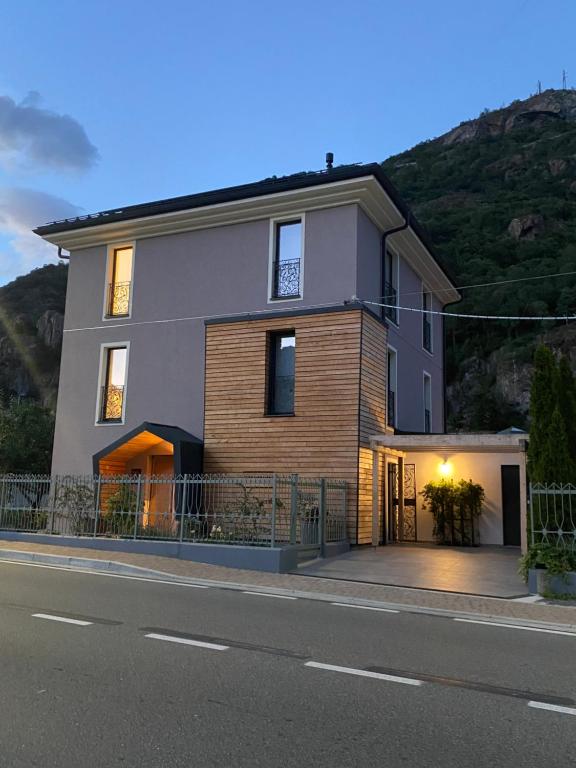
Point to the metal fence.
(259, 510)
(553, 514)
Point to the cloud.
(21, 209)
(44, 138)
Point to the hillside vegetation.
(498, 196)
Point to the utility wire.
(482, 285)
(468, 317)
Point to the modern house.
(231, 332)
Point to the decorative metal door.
(409, 517)
(402, 524)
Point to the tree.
(566, 396)
(543, 399)
(26, 434)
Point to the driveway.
(487, 571)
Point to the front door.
(511, 504)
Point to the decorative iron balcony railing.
(391, 408)
(427, 421)
(118, 299)
(112, 402)
(390, 297)
(287, 279)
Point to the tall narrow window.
(114, 382)
(119, 287)
(392, 387)
(390, 285)
(426, 321)
(281, 372)
(287, 262)
(427, 403)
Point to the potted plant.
(549, 570)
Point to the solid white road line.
(72, 569)
(266, 594)
(364, 673)
(63, 619)
(552, 707)
(186, 641)
(365, 607)
(517, 626)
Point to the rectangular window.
(426, 321)
(392, 387)
(390, 285)
(120, 281)
(114, 383)
(427, 403)
(287, 260)
(281, 373)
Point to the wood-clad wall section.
(372, 415)
(321, 439)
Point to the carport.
(403, 464)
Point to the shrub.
(455, 508)
(558, 561)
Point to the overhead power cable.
(482, 285)
(470, 317)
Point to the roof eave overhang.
(365, 191)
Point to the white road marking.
(517, 626)
(186, 641)
(365, 607)
(63, 619)
(364, 673)
(103, 573)
(552, 707)
(267, 594)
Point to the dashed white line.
(365, 607)
(266, 594)
(63, 619)
(364, 673)
(517, 626)
(552, 707)
(187, 641)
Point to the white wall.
(482, 468)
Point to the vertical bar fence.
(256, 510)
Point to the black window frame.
(389, 287)
(427, 342)
(273, 338)
(275, 294)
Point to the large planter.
(540, 582)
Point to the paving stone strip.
(445, 601)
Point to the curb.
(114, 568)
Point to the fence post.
(183, 504)
(138, 499)
(322, 517)
(531, 512)
(273, 522)
(293, 508)
(97, 510)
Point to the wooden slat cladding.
(372, 415)
(321, 439)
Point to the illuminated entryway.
(404, 464)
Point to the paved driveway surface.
(489, 571)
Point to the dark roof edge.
(295, 312)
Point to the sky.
(114, 102)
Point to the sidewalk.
(314, 586)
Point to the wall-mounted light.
(445, 468)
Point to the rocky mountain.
(31, 324)
(498, 196)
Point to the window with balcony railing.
(112, 393)
(391, 408)
(426, 321)
(287, 263)
(392, 386)
(390, 285)
(427, 403)
(119, 288)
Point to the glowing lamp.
(445, 468)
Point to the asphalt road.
(104, 671)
